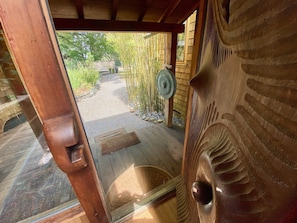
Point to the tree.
(76, 46)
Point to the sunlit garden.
(134, 53)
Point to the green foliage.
(82, 75)
(76, 46)
(140, 61)
(80, 50)
(180, 52)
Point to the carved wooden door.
(31, 39)
(241, 155)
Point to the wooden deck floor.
(30, 187)
(159, 147)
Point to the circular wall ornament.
(166, 83)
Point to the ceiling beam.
(114, 10)
(144, 10)
(79, 8)
(172, 6)
(119, 26)
(189, 12)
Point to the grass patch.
(82, 77)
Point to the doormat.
(108, 135)
(116, 140)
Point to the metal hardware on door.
(62, 138)
(202, 192)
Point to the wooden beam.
(189, 12)
(114, 10)
(173, 50)
(118, 26)
(171, 47)
(172, 6)
(198, 38)
(45, 78)
(144, 10)
(79, 8)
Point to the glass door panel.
(30, 181)
(135, 154)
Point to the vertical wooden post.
(171, 46)
(199, 27)
(31, 38)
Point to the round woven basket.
(134, 184)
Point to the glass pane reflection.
(30, 181)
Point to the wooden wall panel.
(183, 71)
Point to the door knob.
(202, 192)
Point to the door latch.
(63, 140)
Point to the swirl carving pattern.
(242, 140)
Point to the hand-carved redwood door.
(31, 39)
(241, 154)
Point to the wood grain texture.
(152, 13)
(242, 135)
(158, 147)
(44, 76)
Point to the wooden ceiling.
(122, 15)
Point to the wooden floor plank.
(106, 173)
(127, 157)
(139, 155)
(158, 149)
(118, 165)
(95, 152)
(153, 158)
(174, 146)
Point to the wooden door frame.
(32, 43)
(198, 37)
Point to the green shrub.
(82, 76)
(89, 76)
(75, 79)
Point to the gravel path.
(108, 109)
